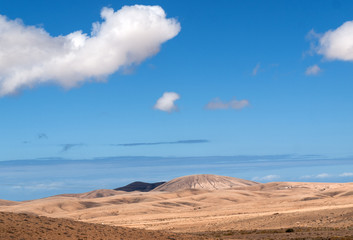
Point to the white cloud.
(346, 174)
(266, 178)
(40, 186)
(256, 69)
(313, 70)
(233, 104)
(166, 102)
(323, 175)
(30, 56)
(337, 44)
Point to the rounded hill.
(203, 181)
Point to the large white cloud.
(337, 44)
(166, 102)
(30, 56)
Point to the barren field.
(257, 210)
(29, 227)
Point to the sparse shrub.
(289, 230)
(229, 233)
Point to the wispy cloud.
(39, 186)
(266, 178)
(318, 176)
(313, 70)
(42, 136)
(68, 146)
(346, 174)
(166, 103)
(192, 141)
(233, 104)
(334, 44)
(256, 69)
(30, 56)
(323, 175)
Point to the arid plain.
(210, 206)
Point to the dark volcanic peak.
(204, 181)
(139, 186)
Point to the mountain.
(139, 186)
(203, 181)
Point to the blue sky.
(211, 78)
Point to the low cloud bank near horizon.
(82, 175)
(217, 103)
(30, 56)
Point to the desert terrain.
(206, 206)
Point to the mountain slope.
(92, 194)
(203, 181)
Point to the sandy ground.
(322, 208)
(29, 227)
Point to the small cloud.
(192, 141)
(42, 136)
(166, 102)
(346, 174)
(267, 178)
(233, 104)
(256, 69)
(323, 175)
(313, 70)
(334, 44)
(69, 146)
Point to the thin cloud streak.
(318, 176)
(69, 146)
(266, 178)
(217, 103)
(42, 136)
(346, 174)
(193, 141)
(256, 69)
